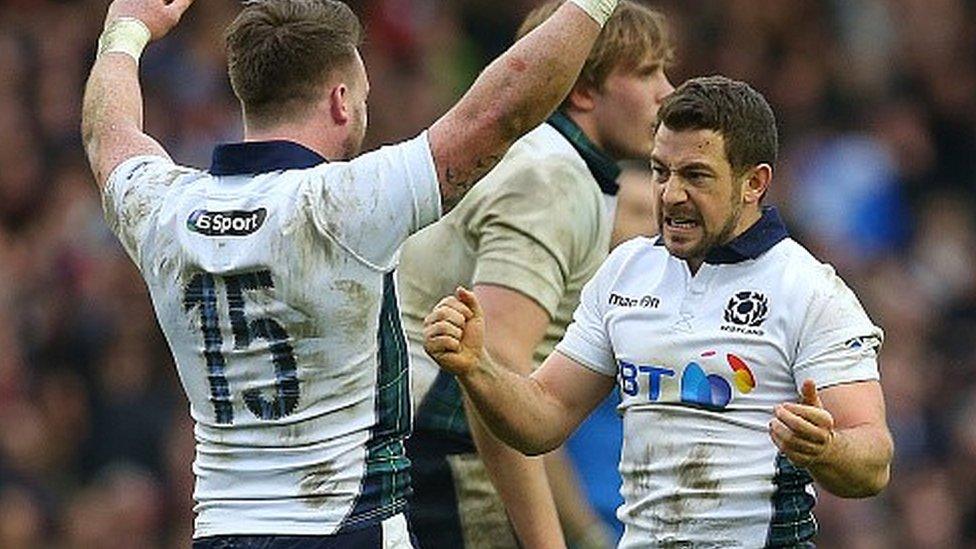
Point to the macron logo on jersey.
(232, 223)
(648, 301)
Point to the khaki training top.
(537, 224)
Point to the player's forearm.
(858, 463)
(583, 528)
(516, 408)
(521, 485)
(524, 85)
(112, 110)
(515, 94)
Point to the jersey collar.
(755, 241)
(603, 168)
(252, 157)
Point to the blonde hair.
(633, 35)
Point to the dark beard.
(710, 242)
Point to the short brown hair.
(632, 35)
(732, 108)
(280, 52)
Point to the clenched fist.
(159, 16)
(454, 333)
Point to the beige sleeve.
(533, 230)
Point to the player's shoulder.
(546, 157)
(803, 273)
(541, 171)
(151, 170)
(412, 158)
(637, 254)
(644, 246)
(141, 185)
(547, 143)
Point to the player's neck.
(328, 143)
(749, 217)
(588, 125)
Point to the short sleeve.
(532, 232)
(133, 195)
(373, 203)
(587, 340)
(838, 343)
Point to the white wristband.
(126, 35)
(599, 10)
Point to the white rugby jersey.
(701, 362)
(272, 279)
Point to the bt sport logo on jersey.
(695, 387)
(227, 223)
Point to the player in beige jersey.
(527, 239)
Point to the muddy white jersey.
(701, 361)
(271, 275)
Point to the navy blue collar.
(603, 168)
(252, 157)
(755, 241)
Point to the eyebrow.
(697, 166)
(690, 166)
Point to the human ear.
(756, 183)
(581, 98)
(338, 105)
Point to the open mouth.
(680, 223)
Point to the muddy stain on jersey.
(676, 515)
(356, 309)
(317, 486)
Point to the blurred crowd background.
(876, 101)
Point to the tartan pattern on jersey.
(793, 523)
(442, 410)
(386, 484)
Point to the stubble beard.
(351, 147)
(353, 144)
(709, 241)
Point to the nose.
(673, 191)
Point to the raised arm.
(531, 414)
(111, 118)
(513, 95)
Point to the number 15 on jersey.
(201, 295)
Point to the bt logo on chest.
(695, 387)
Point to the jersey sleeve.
(587, 340)
(133, 196)
(533, 230)
(838, 342)
(373, 203)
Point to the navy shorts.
(454, 505)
